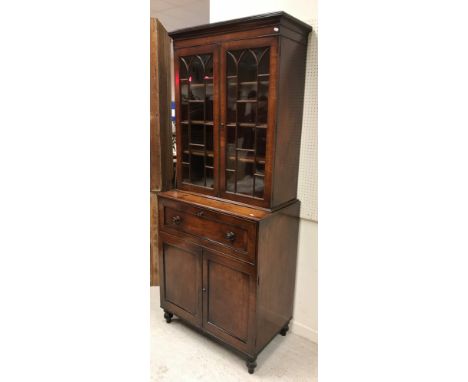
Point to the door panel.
(181, 276)
(197, 94)
(229, 300)
(248, 93)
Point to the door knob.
(204, 290)
(231, 236)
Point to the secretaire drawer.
(217, 228)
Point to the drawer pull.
(231, 236)
(200, 213)
(176, 220)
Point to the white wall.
(305, 306)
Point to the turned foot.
(251, 365)
(284, 330)
(168, 316)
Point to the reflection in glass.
(247, 86)
(196, 102)
(246, 138)
(246, 112)
(248, 67)
(230, 180)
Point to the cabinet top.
(267, 19)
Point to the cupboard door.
(248, 96)
(196, 87)
(181, 276)
(229, 300)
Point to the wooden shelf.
(196, 122)
(199, 153)
(246, 124)
(260, 160)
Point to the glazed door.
(248, 94)
(197, 94)
(181, 277)
(229, 300)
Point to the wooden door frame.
(161, 163)
(198, 50)
(272, 42)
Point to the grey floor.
(178, 353)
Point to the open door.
(160, 131)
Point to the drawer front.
(215, 228)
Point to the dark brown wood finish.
(209, 49)
(229, 260)
(161, 169)
(272, 43)
(290, 106)
(229, 300)
(219, 230)
(180, 260)
(277, 249)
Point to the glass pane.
(196, 134)
(248, 90)
(185, 157)
(185, 136)
(246, 119)
(185, 173)
(184, 92)
(208, 67)
(230, 180)
(245, 171)
(184, 112)
(196, 170)
(259, 187)
(246, 138)
(231, 64)
(260, 167)
(231, 156)
(197, 92)
(209, 137)
(209, 102)
(261, 142)
(183, 68)
(196, 70)
(209, 177)
(209, 159)
(263, 55)
(196, 111)
(246, 112)
(231, 99)
(247, 66)
(262, 103)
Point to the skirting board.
(304, 331)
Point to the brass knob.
(176, 220)
(231, 236)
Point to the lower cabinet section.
(242, 301)
(229, 300)
(208, 290)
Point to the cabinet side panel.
(289, 120)
(277, 256)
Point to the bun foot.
(251, 365)
(168, 316)
(284, 330)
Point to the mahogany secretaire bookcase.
(228, 232)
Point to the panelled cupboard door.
(181, 278)
(248, 108)
(197, 118)
(229, 300)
